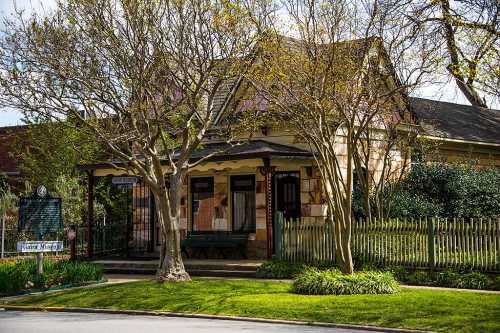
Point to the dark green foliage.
(473, 280)
(3, 184)
(116, 202)
(464, 278)
(16, 276)
(495, 283)
(333, 282)
(400, 273)
(276, 269)
(420, 278)
(448, 278)
(280, 269)
(447, 191)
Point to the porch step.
(192, 272)
(221, 273)
(212, 268)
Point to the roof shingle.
(457, 121)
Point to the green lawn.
(444, 311)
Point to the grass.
(443, 311)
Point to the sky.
(444, 92)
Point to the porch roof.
(227, 152)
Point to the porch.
(231, 196)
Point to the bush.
(420, 278)
(446, 190)
(277, 269)
(14, 276)
(21, 275)
(495, 283)
(474, 280)
(332, 282)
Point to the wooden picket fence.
(424, 243)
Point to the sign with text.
(39, 246)
(40, 213)
(124, 180)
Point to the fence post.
(430, 243)
(279, 235)
(3, 234)
(72, 242)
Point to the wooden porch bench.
(220, 240)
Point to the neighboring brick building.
(10, 138)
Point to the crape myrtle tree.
(141, 76)
(344, 76)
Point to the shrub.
(332, 282)
(14, 276)
(447, 191)
(277, 269)
(21, 275)
(448, 278)
(420, 278)
(495, 283)
(474, 280)
(400, 273)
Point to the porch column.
(90, 214)
(269, 205)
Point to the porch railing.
(425, 243)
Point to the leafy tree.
(48, 151)
(334, 86)
(145, 73)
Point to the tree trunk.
(347, 266)
(171, 266)
(465, 87)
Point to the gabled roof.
(352, 51)
(456, 121)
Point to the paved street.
(39, 322)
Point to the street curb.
(206, 316)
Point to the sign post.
(40, 214)
(3, 234)
(72, 242)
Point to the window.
(202, 203)
(243, 203)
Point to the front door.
(286, 198)
(287, 194)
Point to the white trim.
(430, 137)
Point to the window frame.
(232, 179)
